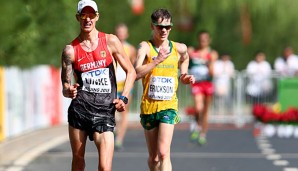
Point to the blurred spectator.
(122, 32)
(259, 78)
(287, 64)
(223, 72)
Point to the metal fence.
(235, 107)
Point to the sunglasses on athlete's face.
(84, 16)
(160, 26)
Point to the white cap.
(84, 3)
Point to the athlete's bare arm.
(143, 69)
(183, 64)
(119, 54)
(214, 57)
(67, 58)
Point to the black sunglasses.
(160, 26)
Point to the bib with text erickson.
(97, 81)
(161, 88)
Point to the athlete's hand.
(72, 91)
(187, 79)
(120, 105)
(163, 54)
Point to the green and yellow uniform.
(159, 100)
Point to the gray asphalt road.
(228, 149)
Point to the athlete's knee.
(164, 155)
(153, 161)
(105, 164)
(199, 106)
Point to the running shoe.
(194, 135)
(202, 140)
(118, 146)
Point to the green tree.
(34, 32)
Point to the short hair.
(259, 52)
(120, 25)
(202, 32)
(160, 13)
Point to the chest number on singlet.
(199, 69)
(97, 81)
(161, 88)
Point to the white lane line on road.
(262, 140)
(200, 155)
(15, 168)
(290, 169)
(268, 151)
(173, 155)
(264, 145)
(280, 162)
(273, 157)
(26, 158)
(176, 155)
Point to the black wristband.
(124, 99)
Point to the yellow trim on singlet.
(169, 69)
(121, 83)
(126, 47)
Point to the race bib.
(199, 69)
(161, 88)
(97, 81)
(200, 72)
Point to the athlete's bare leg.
(199, 106)
(159, 143)
(78, 143)
(105, 146)
(151, 140)
(204, 116)
(165, 136)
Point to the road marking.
(198, 155)
(262, 140)
(173, 154)
(176, 155)
(273, 157)
(264, 145)
(290, 169)
(280, 162)
(26, 158)
(15, 168)
(267, 151)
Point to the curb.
(12, 148)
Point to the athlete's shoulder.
(68, 49)
(214, 54)
(68, 53)
(111, 38)
(181, 47)
(144, 45)
(113, 42)
(190, 49)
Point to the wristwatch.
(124, 99)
